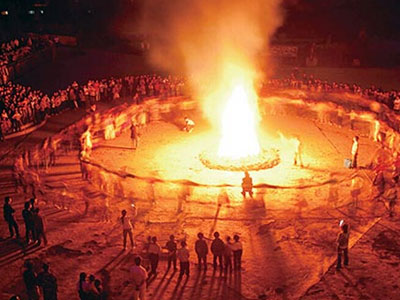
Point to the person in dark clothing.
(217, 249)
(28, 220)
(39, 227)
(101, 294)
(48, 283)
(8, 213)
(134, 136)
(32, 201)
(247, 185)
(343, 246)
(83, 287)
(30, 280)
(171, 247)
(201, 251)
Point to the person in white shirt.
(183, 257)
(126, 228)
(139, 277)
(237, 249)
(354, 152)
(189, 125)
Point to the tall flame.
(238, 124)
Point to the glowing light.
(238, 125)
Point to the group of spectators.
(34, 222)
(90, 288)
(302, 81)
(19, 48)
(226, 255)
(20, 105)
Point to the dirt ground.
(288, 230)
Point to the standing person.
(379, 182)
(39, 225)
(342, 246)
(237, 249)
(126, 227)
(93, 293)
(101, 294)
(354, 152)
(298, 159)
(154, 255)
(83, 287)
(48, 283)
(8, 213)
(171, 247)
(247, 185)
(217, 249)
(139, 277)
(28, 220)
(134, 136)
(228, 254)
(86, 142)
(183, 256)
(30, 280)
(83, 158)
(201, 251)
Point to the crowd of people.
(302, 81)
(227, 256)
(19, 48)
(20, 105)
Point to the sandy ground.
(289, 229)
(288, 234)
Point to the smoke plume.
(207, 40)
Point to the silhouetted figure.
(183, 256)
(83, 287)
(237, 249)
(201, 251)
(217, 249)
(30, 280)
(28, 220)
(247, 185)
(39, 225)
(126, 228)
(154, 255)
(8, 213)
(32, 202)
(342, 246)
(92, 292)
(139, 277)
(101, 294)
(379, 182)
(228, 254)
(134, 136)
(171, 247)
(48, 283)
(16, 297)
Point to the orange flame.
(238, 124)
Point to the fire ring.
(267, 159)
